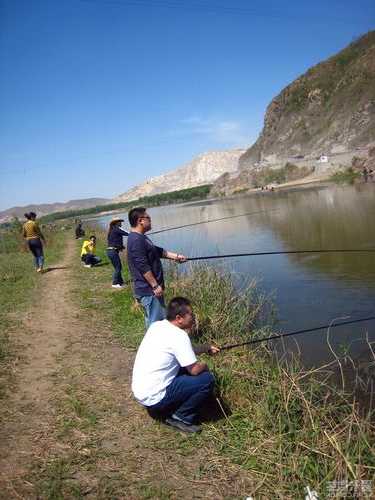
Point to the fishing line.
(213, 220)
(255, 254)
(298, 332)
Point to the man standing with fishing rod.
(145, 266)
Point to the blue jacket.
(144, 256)
(115, 238)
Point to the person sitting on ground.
(88, 256)
(167, 378)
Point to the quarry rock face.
(204, 169)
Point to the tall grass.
(288, 427)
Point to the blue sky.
(98, 95)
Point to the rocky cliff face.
(204, 169)
(330, 110)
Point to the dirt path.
(43, 336)
(72, 429)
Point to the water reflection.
(309, 290)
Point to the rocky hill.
(204, 169)
(330, 111)
(48, 208)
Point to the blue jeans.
(185, 395)
(154, 308)
(90, 259)
(114, 257)
(36, 249)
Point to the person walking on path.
(88, 250)
(115, 246)
(145, 266)
(34, 237)
(167, 378)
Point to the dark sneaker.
(182, 426)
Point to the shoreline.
(278, 427)
(292, 185)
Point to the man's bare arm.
(151, 280)
(178, 257)
(197, 368)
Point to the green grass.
(75, 412)
(57, 482)
(287, 428)
(118, 307)
(19, 283)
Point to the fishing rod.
(256, 254)
(212, 220)
(298, 332)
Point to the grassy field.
(286, 427)
(19, 284)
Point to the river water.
(308, 290)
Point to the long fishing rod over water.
(173, 228)
(297, 332)
(257, 254)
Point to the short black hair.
(92, 236)
(135, 214)
(30, 215)
(178, 306)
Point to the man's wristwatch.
(155, 287)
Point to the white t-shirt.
(163, 351)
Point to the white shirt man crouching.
(167, 377)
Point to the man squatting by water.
(145, 266)
(167, 378)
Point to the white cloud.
(228, 132)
